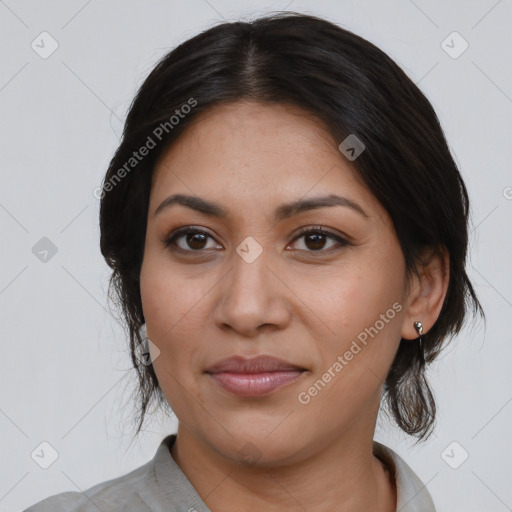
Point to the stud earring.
(419, 329)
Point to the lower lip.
(255, 384)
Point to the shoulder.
(412, 493)
(121, 494)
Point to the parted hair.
(353, 87)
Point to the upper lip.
(258, 364)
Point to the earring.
(142, 350)
(419, 329)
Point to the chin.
(260, 447)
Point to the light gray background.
(65, 373)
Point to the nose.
(253, 297)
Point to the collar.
(176, 488)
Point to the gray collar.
(176, 489)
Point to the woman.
(287, 231)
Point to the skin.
(303, 305)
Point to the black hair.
(353, 87)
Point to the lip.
(257, 376)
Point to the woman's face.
(253, 285)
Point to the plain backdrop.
(66, 377)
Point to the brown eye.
(316, 239)
(196, 240)
(191, 240)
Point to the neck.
(345, 477)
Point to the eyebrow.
(282, 212)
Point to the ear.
(426, 293)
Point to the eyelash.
(170, 241)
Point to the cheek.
(356, 358)
(173, 314)
(361, 310)
(167, 296)
(175, 309)
(349, 302)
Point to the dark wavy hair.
(354, 88)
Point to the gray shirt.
(161, 486)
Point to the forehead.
(249, 153)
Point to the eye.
(315, 239)
(194, 240)
(190, 240)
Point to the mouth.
(258, 376)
